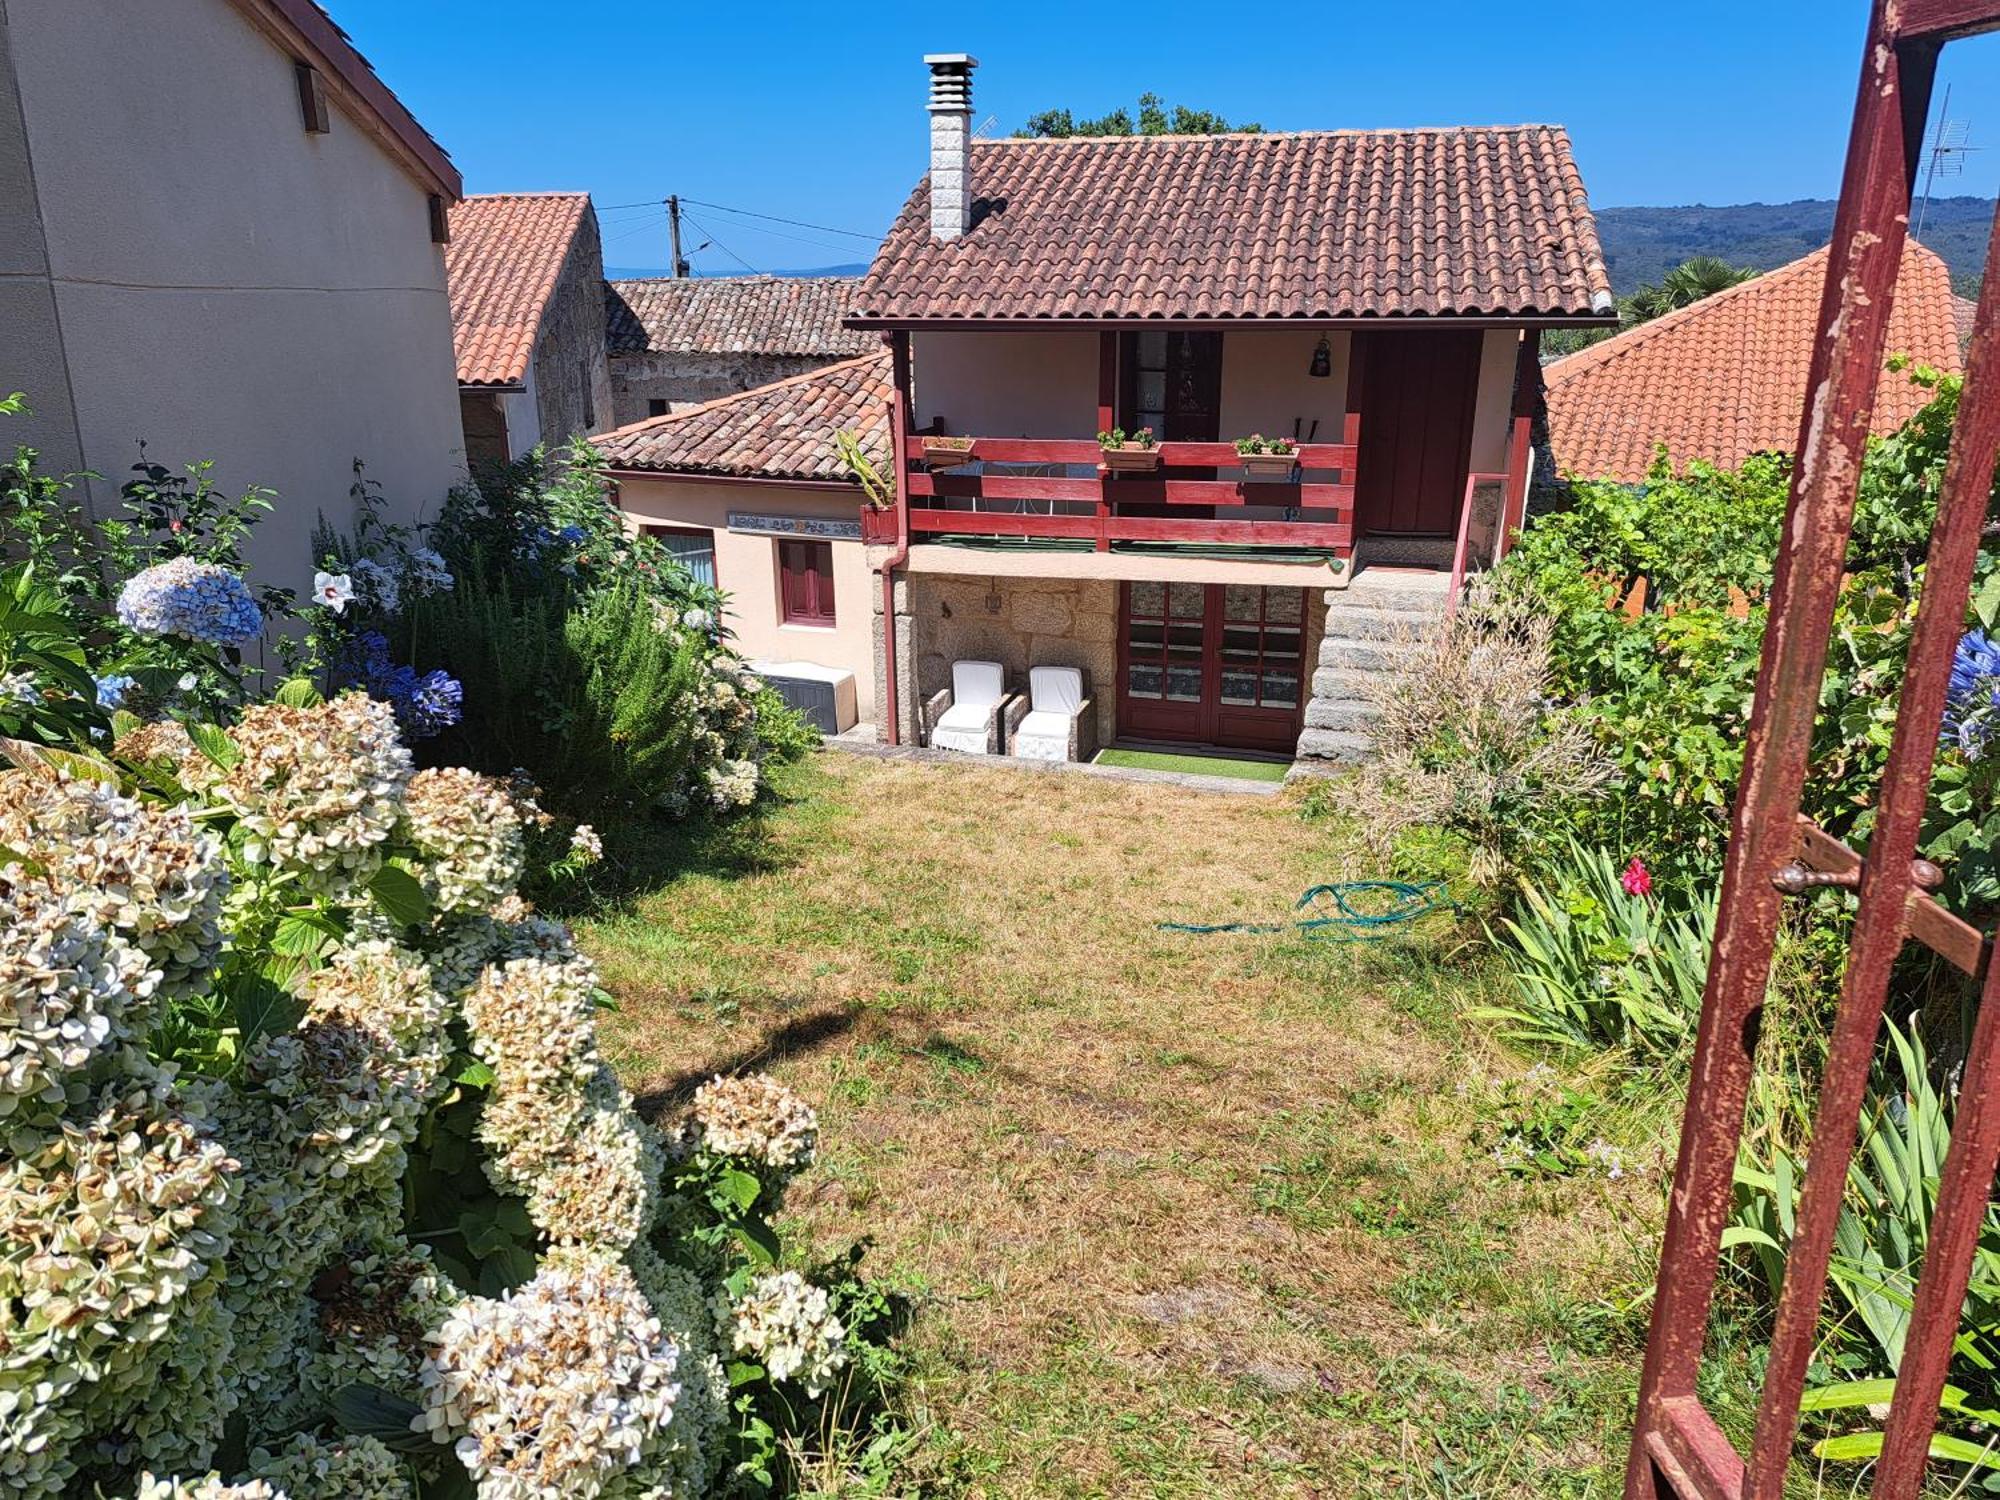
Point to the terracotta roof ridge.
(1267, 135)
(761, 276)
(528, 193)
(661, 423)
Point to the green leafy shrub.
(1598, 962)
(315, 1172)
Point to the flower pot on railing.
(947, 452)
(878, 525)
(1270, 465)
(1137, 454)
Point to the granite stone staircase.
(1368, 627)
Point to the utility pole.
(674, 227)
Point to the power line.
(716, 240)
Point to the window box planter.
(1130, 458)
(1269, 465)
(878, 527)
(947, 452)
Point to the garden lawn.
(1183, 1215)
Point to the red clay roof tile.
(783, 430)
(797, 315)
(1339, 224)
(505, 257)
(1726, 377)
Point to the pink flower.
(1637, 879)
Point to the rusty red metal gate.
(1678, 1452)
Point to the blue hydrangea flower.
(195, 600)
(111, 690)
(1972, 700)
(571, 534)
(423, 704)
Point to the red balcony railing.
(1100, 507)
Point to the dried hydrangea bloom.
(370, 1313)
(166, 739)
(70, 993)
(210, 1488)
(692, 1456)
(593, 1181)
(317, 790)
(786, 1324)
(557, 1390)
(386, 988)
(348, 1099)
(757, 1118)
(469, 832)
(344, 1468)
(732, 783)
(109, 1226)
(148, 873)
(535, 1023)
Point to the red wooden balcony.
(1206, 481)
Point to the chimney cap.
(949, 59)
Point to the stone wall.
(572, 379)
(686, 380)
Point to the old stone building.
(527, 277)
(675, 343)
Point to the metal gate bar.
(1677, 1450)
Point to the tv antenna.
(985, 126)
(1950, 144)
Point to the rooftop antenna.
(1946, 156)
(986, 127)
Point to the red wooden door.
(1418, 391)
(1211, 664)
(1678, 1451)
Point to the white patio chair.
(1061, 723)
(967, 715)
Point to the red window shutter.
(806, 582)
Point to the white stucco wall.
(1012, 385)
(227, 286)
(746, 567)
(1267, 384)
(1492, 416)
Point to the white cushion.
(1044, 735)
(980, 683)
(1055, 689)
(964, 726)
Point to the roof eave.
(889, 323)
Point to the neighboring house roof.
(504, 260)
(1964, 311)
(798, 315)
(1726, 377)
(304, 29)
(1485, 222)
(783, 430)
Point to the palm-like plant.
(1696, 277)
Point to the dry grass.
(1187, 1216)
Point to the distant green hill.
(1643, 244)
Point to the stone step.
(1344, 684)
(1343, 745)
(1362, 656)
(1365, 623)
(1420, 600)
(1340, 713)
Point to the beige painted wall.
(1492, 416)
(226, 285)
(1267, 384)
(1035, 385)
(746, 567)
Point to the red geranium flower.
(1637, 880)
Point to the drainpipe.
(899, 413)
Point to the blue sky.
(815, 113)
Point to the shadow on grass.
(806, 1033)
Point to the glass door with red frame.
(1212, 664)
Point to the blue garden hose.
(1360, 909)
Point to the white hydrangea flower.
(754, 1117)
(594, 1181)
(317, 790)
(375, 585)
(585, 846)
(469, 832)
(19, 687)
(732, 783)
(785, 1322)
(345, 1468)
(146, 873)
(535, 1022)
(210, 1488)
(427, 572)
(555, 1391)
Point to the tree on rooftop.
(1154, 118)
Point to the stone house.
(678, 342)
(244, 265)
(527, 276)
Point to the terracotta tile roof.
(1963, 312)
(1726, 377)
(733, 315)
(1336, 224)
(779, 431)
(505, 257)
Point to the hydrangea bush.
(317, 1185)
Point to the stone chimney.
(951, 137)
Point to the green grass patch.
(1194, 765)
